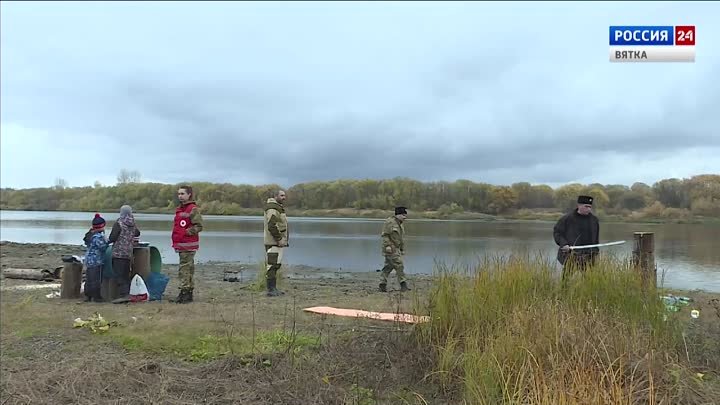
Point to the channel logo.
(652, 43)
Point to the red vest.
(181, 240)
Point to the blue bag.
(156, 284)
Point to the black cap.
(585, 199)
(400, 210)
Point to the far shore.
(351, 213)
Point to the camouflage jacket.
(393, 235)
(276, 224)
(123, 232)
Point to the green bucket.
(155, 262)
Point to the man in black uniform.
(577, 228)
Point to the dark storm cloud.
(239, 132)
(296, 92)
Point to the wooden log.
(70, 280)
(644, 256)
(30, 274)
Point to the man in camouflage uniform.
(275, 239)
(393, 248)
(186, 240)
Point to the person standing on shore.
(186, 241)
(124, 231)
(393, 249)
(95, 259)
(577, 228)
(275, 239)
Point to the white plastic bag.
(138, 290)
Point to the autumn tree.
(699, 195)
(600, 198)
(671, 193)
(503, 198)
(524, 193)
(541, 196)
(632, 200)
(566, 196)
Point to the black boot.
(404, 287)
(97, 297)
(88, 297)
(180, 297)
(184, 297)
(189, 296)
(383, 287)
(271, 290)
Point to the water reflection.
(689, 252)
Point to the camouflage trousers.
(187, 269)
(273, 261)
(393, 262)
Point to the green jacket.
(393, 235)
(276, 224)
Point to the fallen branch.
(33, 274)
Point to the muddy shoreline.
(207, 275)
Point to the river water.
(688, 254)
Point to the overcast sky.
(292, 92)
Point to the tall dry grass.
(511, 332)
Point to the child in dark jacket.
(95, 259)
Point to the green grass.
(198, 345)
(359, 396)
(510, 332)
(22, 319)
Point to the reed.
(510, 331)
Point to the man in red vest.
(186, 240)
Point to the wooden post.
(644, 256)
(71, 280)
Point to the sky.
(292, 92)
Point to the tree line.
(698, 195)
